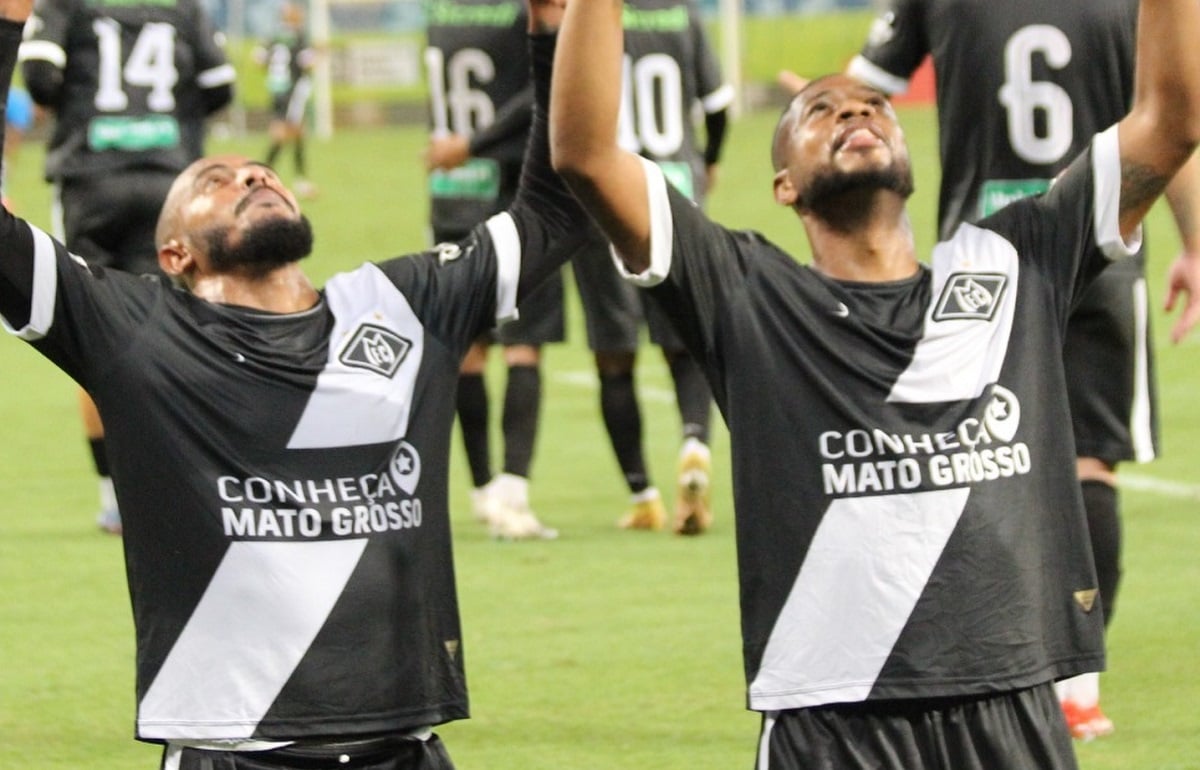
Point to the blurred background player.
(670, 71)
(1021, 88)
(480, 104)
(130, 85)
(288, 60)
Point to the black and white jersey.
(1023, 85)
(133, 75)
(287, 58)
(282, 482)
(477, 65)
(909, 523)
(670, 70)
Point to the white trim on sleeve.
(507, 242)
(662, 231)
(872, 74)
(1106, 171)
(45, 288)
(42, 50)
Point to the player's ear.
(175, 259)
(785, 189)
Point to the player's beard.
(269, 244)
(828, 187)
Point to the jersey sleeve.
(47, 32)
(695, 264)
(895, 46)
(80, 318)
(213, 69)
(1072, 232)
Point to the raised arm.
(1163, 128)
(584, 105)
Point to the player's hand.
(791, 82)
(16, 10)
(447, 152)
(545, 16)
(1183, 277)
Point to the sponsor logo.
(978, 449)
(377, 349)
(841, 311)
(447, 252)
(264, 508)
(970, 296)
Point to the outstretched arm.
(608, 181)
(548, 217)
(1162, 129)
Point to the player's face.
(233, 211)
(233, 194)
(837, 135)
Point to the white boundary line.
(1159, 486)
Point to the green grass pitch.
(605, 649)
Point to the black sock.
(522, 400)
(1104, 528)
(623, 420)
(99, 456)
(692, 394)
(473, 420)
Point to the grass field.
(605, 649)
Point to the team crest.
(970, 296)
(377, 349)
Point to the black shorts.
(614, 309)
(370, 754)
(110, 220)
(1018, 730)
(291, 106)
(1110, 368)
(540, 316)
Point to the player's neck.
(875, 245)
(283, 290)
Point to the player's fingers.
(1187, 321)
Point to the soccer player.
(480, 101)
(913, 551)
(130, 85)
(288, 59)
(281, 455)
(669, 70)
(1021, 88)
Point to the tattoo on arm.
(1140, 186)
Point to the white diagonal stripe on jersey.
(45, 289)
(349, 406)
(868, 564)
(958, 359)
(260, 613)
